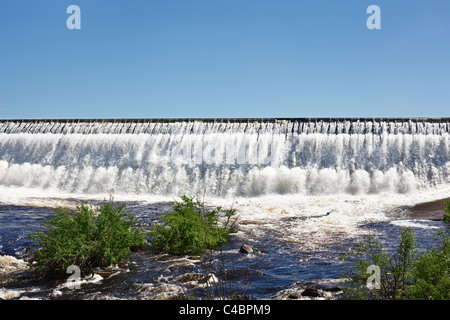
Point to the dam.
(225, 157)
(305, 191)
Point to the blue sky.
(224, 58)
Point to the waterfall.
(225, 157)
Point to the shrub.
(447, 212)
(395, 270)
(190, 228)
(432, 272)
(86, 238)
(404, 275)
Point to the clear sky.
(224, 58)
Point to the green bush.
(87, 238)
(190, 228)
(432, 272)
(447, 212)
(406, 274)
(395, 269)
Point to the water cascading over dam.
(225, 157)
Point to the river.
(305, 192)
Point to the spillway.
(225, 157)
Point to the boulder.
(245, 248)
(312, 292)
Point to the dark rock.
(329, 288)
(333, 289)
(433, 210)
(311, 292)
(245, 248)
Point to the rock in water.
(245, 248)
(311, 292)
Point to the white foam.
(423, 224)
(216, 161)
(10, 264)
(6, 294)
(298, 219)
(90, 279)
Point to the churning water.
(220, 158)
(305, 190)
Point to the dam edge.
(276, 119)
